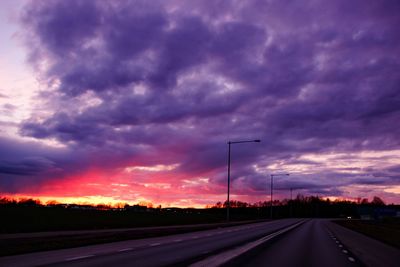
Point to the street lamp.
(272, 187)
(291, 203)
(229, 169)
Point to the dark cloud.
(181, 78)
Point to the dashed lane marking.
(79, 257)
(351, 259)
(344, 251)
(125, 249)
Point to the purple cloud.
(171, 81)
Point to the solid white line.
(177, 240)
(125, 249)
(226, 256)
(352, 259)
(154, 244)
(79, 257)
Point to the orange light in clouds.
(165, 188)
(393, 189)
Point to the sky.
(132, 101)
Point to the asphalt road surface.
(175, 250)
(310, 244)
(288, 242)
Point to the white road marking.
(195, 237)
(208, 234)
(337, 242)
(125, 249)
(155, 244)
(340, 246)
(352, 259)
(344, 251)
(177, 240)
(79, 257)
(218, 260)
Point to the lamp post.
(229, 169)
(272, 187)
(291, 203)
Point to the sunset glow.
(138, 107)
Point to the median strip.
(224, 257)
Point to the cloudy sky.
(105, 101)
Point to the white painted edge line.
(226, 256)
(177, 240)
(154, 244)
(79, 257)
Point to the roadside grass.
(386, 230)
(26, 219)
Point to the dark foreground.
(311, 244)
(288, 242)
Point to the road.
(160, 251)
(288, 242)
(310, 244)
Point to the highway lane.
(310, 244)
(169, 250)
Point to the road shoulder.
(368, 250)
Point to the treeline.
(30, 215)
(314, 206)
(29, 202)
(300, 199)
